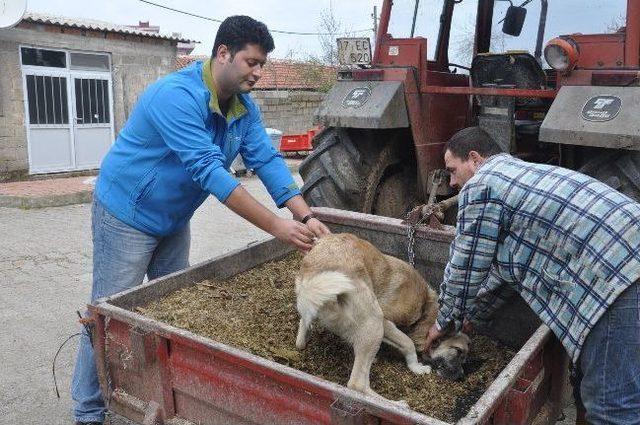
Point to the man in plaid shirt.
(568, 244)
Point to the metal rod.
(547, 94)
(53, 102)
(484, 22)
(442, 45)
(89, 95)
(97, 109)
(105, 96)
(382, 29)
(60, 101)
(632, 35)
(375, 21)
(415, 16)
(103, 117)
(35, 91)
(44, 99)
(82, 98)
(66, 104)
(541, 28)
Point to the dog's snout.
(452, 374)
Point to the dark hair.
(472, 139)
(236, 32)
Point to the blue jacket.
(176, 149)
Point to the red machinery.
(386, 122)
(297, 142)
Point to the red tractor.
(388, 117)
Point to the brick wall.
(136, 62)
(13, 138)
(288, 111)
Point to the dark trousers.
(606, 378)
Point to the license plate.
(354, 51)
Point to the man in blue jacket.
(568, 245)
(174, 151)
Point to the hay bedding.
(255, 311)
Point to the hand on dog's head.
(449, 356)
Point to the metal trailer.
(154, 373)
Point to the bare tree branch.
(332, 28)
(617, 23)
(462, 45)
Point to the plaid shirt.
(567, 243)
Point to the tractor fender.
(594, 116)
(364, 104)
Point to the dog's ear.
(462, 341)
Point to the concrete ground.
(45, 276)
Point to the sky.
(564, 17)
(286, 15)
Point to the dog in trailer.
(366, 297)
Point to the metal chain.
(411, 232)
(437, 178)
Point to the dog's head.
(448, 358)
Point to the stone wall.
(288, 111)
(136, 62)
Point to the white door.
(68, 108)
(49, 128)
(92, 118)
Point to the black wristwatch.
(307, 218)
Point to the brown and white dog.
(366, 297)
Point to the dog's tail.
(312, 293)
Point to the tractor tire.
(360, 170)
(619, 170)
(391, 189)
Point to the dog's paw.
(301, 341)
(301, 345)
(419, 369)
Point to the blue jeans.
(122, 256)
(610, 363)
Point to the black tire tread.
(335, 173)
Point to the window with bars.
(92, 101)
(47, 98)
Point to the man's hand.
(294, 233)
(317, 227)
(432, 336)
(437, 210)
